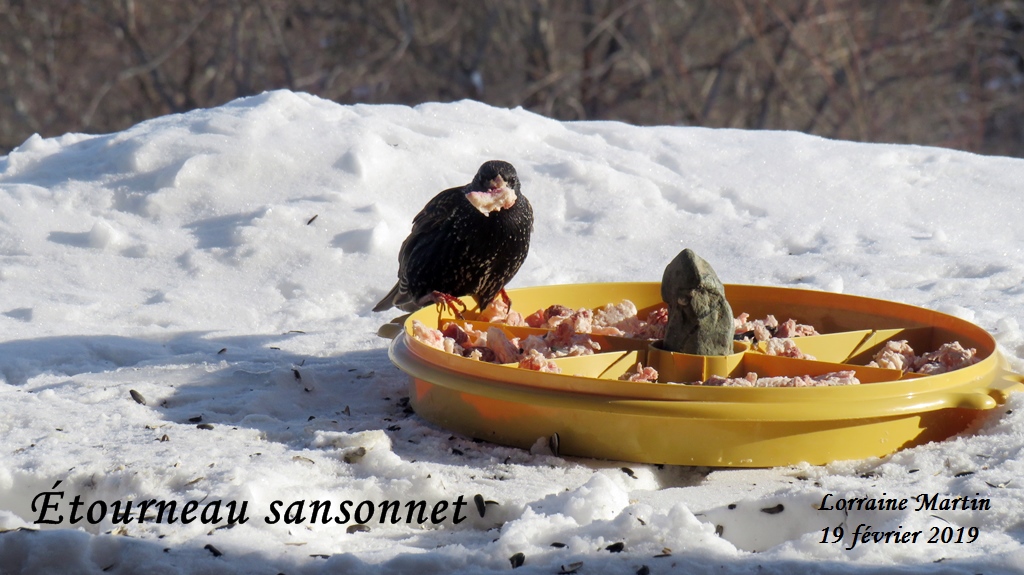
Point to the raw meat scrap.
(498, 312)
(656, 322)
(582, 321)
(428, 335)
(435, 338)
(758, 329)
(466, 336)
(492, 201)
(895, 355)
(717, 380)
(785, 347)
(505, 350)
(612, 319)
(495, 312)
(455, 332)
(623, 320)
(847, 377)
(536, 319)
(495, 347)
(835, 378)
(580, 344)
(612, 314)
(949, 357)
(790, 328)
(536, 361)
(561, 342)
(769, 327)
(534, 343)
(550, 317)
(645, 374)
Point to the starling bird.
(468, 240)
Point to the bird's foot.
(506, 299)
(453, 303)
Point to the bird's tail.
(389, 300)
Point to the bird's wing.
(427, 222)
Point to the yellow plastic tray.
(596, 415)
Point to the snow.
(181, 259)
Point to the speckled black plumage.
(456, 250)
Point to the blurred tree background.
(934, 72)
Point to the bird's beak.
(497, 183)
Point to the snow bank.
(222, 264)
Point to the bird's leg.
(453, 303)
(506, 299)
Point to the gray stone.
(700, 320)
